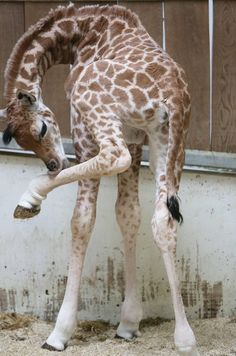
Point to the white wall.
(34, 253)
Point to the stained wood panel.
(224, 77)
(53, 85)
(187, 41)
(11, 27)
(62, 1)
(150, 14)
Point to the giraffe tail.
(173, 207)
(178, 125)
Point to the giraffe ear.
(7, 135)
(25, 98)
(3, 114)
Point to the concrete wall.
(34, 253)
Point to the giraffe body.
(122, 87)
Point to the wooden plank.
(53, 84)
(187, 41)
(11, 27)
(74, 1)
(224, 77)
(150, 14)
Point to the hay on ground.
(13, 321)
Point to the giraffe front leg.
(131, 311)
(113, 158)
(128, 218)
(164, 230)
(81, 226)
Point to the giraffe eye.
(43, 130)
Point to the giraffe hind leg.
(164, 226)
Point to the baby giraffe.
(122, 87)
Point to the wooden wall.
(187, 41)
(224, 77)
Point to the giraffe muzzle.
(54, 166)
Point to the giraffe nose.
(53, 165)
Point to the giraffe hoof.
(128, 335)
(128, 331)
(25, 213)
(188, 351)
(127, 338)
(50, 348)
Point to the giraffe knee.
(164, 229)
(113, 159)
(124, 160)
(128, 213)
(82, 221)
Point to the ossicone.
(25, 98)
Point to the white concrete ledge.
(195, 160)
(34, 253)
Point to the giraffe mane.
(45, 23)
(113, 11)
(14, 61)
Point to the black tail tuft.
(173, 206)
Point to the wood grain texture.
(187, 41)
(53, 84)
(91, 2)
(11, 28)
(150, 14)
(224, 77)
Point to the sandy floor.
(215, 337)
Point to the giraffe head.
(34, 128)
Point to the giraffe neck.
(57, 39)
(48, 42)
